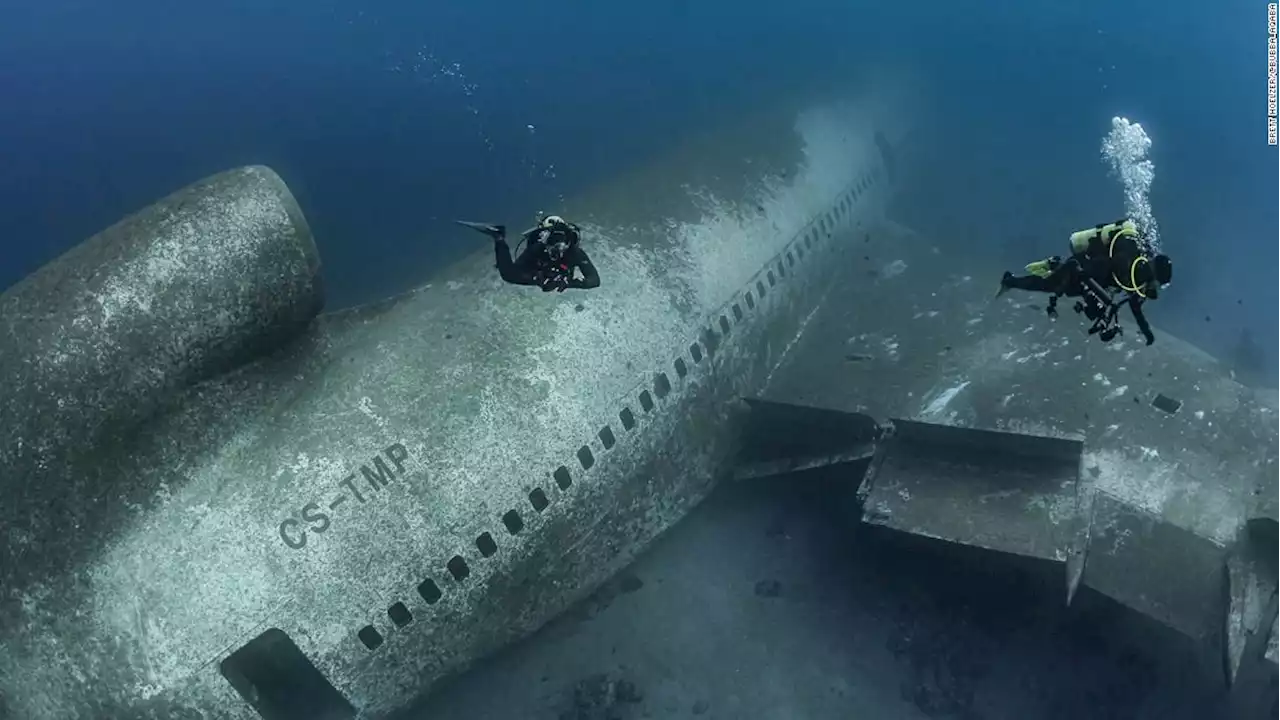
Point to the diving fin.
(1044, 268)
(497, 232)
(1004, 283)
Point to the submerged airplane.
(221, 503)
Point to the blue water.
(389, 118)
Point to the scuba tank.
(1103, 235)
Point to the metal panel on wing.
(1145, 562)
(781, 438)
(1001, 491)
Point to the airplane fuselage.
(406, 487)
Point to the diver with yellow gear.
(1104, 259)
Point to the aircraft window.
(760, 288)
(606, 437)
(429, 591)
(585, 459)
(724, 325)
(800, 252)
(278, 680)
(661, 385)
(781, 270)
(681, 368)
(772, 282)
(710, 339)
(458, 568)
(538, 499)
(751, 301)
(370, 636)
(627, 418)
(646, 400)
(562, 478)
(513, 522)
(695, 352)
(737, 312)
(486, 545)
(399, 614)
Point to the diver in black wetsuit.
(552, 253)
(1104, 259)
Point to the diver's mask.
(556, 249)
(1157, 275)
(1162, 267)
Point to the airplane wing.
(1005, 431)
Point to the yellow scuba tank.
(1106, 234)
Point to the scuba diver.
(1104, 259)
(552, 252)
